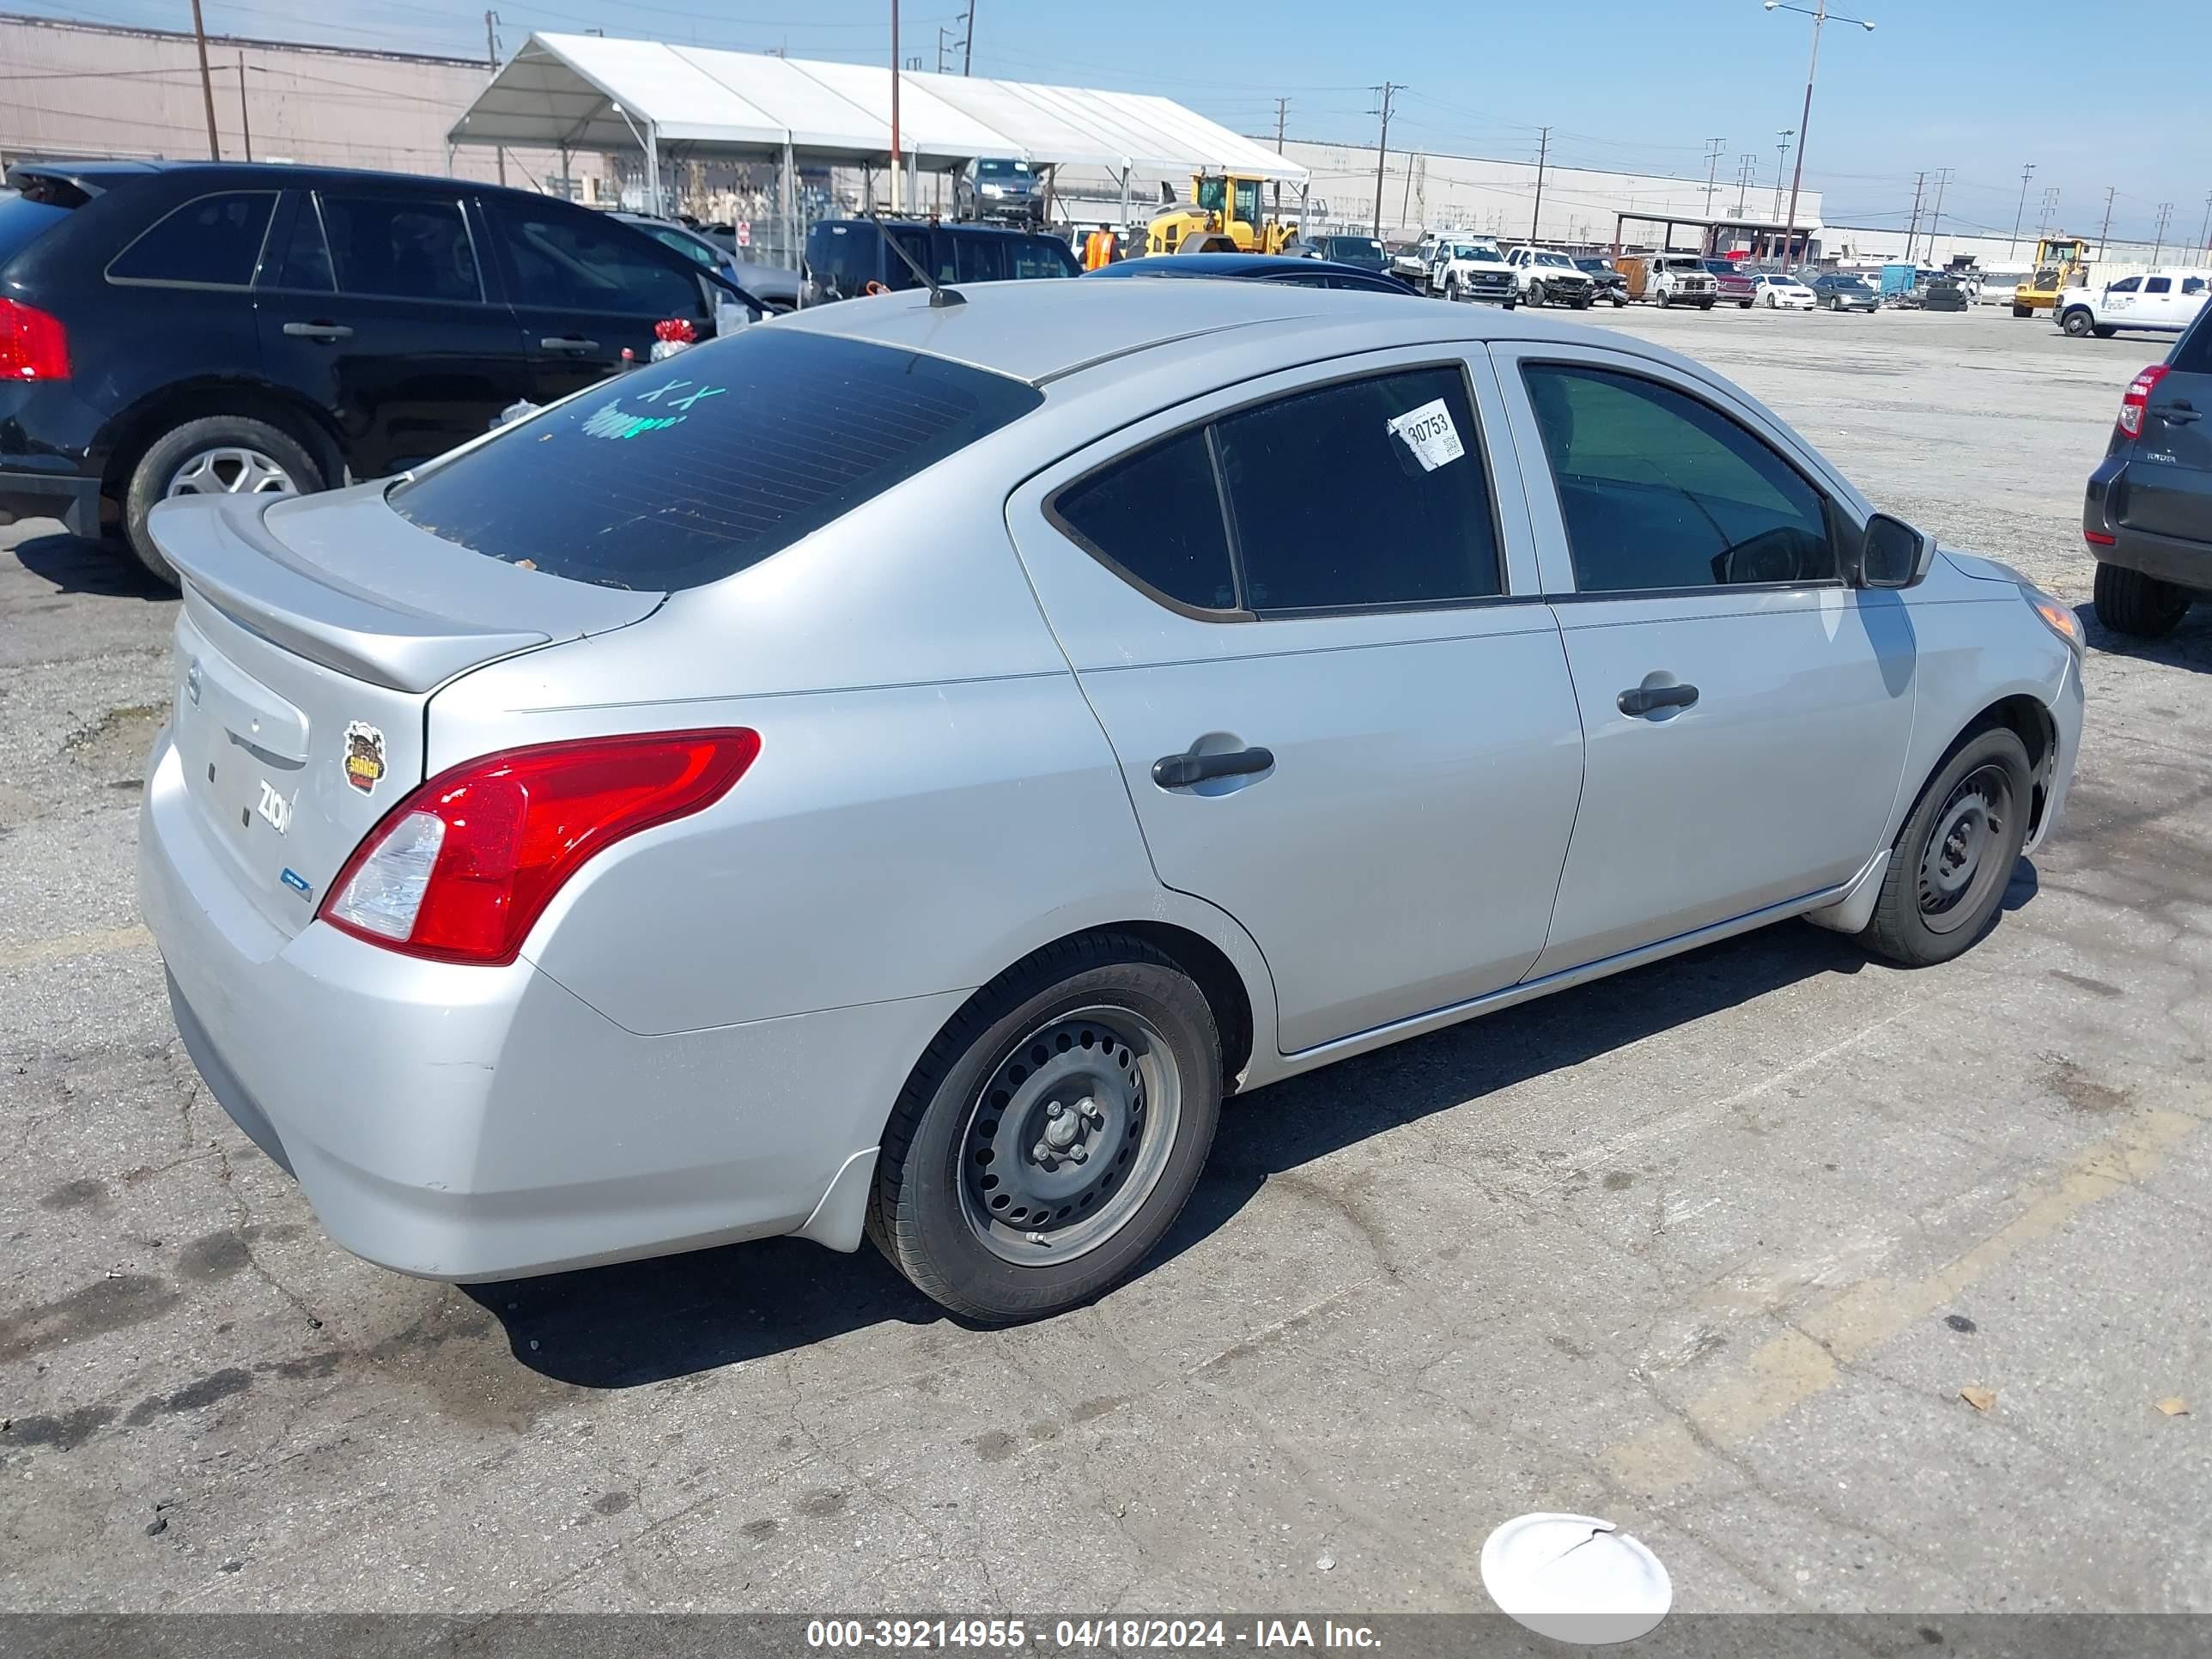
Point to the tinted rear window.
(2192, 353)
(23, 221)
(687, 471)
(212, 241)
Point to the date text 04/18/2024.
(1081, 1635)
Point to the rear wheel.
(1952, 859)
(1052, 1133)
(2128, 602)
(214, 455)
(2023, 311)
(2105, 331)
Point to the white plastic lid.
(1574, 1578)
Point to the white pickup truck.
(1472, 267)
(2160, 302)
(1543, 278)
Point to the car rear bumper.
(29, 494)
(2184, 561)
(468, 1123)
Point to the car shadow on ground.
(74, 565)
(640, 1323)
(2190, 645)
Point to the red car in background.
(1736, 281)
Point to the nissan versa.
(896, 769)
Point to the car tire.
(233, 454)
(1954, 860)
(1451, 290)
(2128, 602)
(1743, 305)
(2023, 311)
(1106, 1020)
(2105, 331)
(2077, 323)
(1705, 305)
(1582, 302)
(1535, 296)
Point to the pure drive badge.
(364, 757)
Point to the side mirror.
(1893, 554)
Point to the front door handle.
(319, 330)
(1650, 699)
(1180, 771)
(567, 343)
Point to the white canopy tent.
(571, 92)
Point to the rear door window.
(1370, 493)
(2159, 285)
(568, 261)
(214, 241)
(1155, 520)
(400, 247)
(979, 259)
(688, 470)
(304, 262)
(1039, 256)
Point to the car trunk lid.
(315, 635)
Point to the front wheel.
(2023, 311)
(2128, 602)
(1051, 1134)
(1582, 302)
(1535, 296)
(1743, 305)
(1955, 857)
(1451, 289)
(1704, 305)
(2077, 323)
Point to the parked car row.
(180, 329)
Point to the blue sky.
(1623, 83)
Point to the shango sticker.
(1429, 433)
(364, 757)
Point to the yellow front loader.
(1219, 204)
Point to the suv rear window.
(213, 241)
(23, 221)
(2192, 352)
(684, 473)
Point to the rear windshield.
(2192, 352)
(23, 221)
(686, 470)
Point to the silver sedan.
(893, 771)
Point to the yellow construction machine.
(1219, 204)
(2057, 260)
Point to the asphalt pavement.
(1716, 1249)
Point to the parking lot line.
(63, 947)
(1810, 1356)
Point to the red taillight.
(34, 344)
(2097, 538)
(461, 870)
(2137, 400)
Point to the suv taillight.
(461, 870)
(2137, 400)
(34, 344)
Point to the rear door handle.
(567, 343)
(2180, 412)
(319, 330)
(1180, 771)
(1650, 699)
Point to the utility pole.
(1282, 114)
(1712, 169)
(1942, 177)
(967, 45)
(2047, 220)
(207, 85)
(941, 32)
(1744, 165)
(2104, 232)
(1781, 162)
(1383, 95)
(2205, 234)
(245, 126)
(491, 56)
(2019, 212)
(2165, 213)
(899, 204)
(1543, 150)
(1912, 230)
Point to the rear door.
(584, 288)
(2166, 489)
(1746, 714)
(1304, 610)
(184, 286)
(374, 304)
(2157, 308)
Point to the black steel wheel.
(1952, 859)
(1052, 1133)
(1535, 296)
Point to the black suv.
(177, 328)
(848, 258)
(2148, 516)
